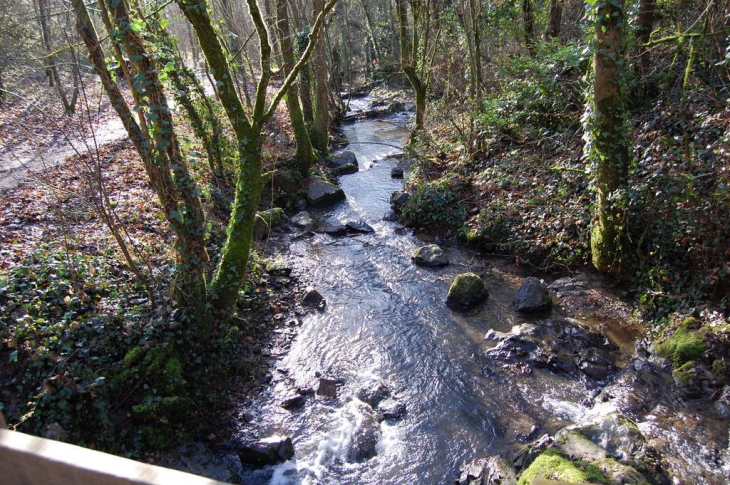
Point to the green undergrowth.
(86, 359)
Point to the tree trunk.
(556, 16)
(610, 153)
(528, 24)
(305, 156)
(320, 128)
(644, 26)
(408, 53)
(475, 8)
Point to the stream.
(386, 322)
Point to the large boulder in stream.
(321, 193)
(268, 451)
(466, 291)
(533, 297)
(346, 157)
(430, 255)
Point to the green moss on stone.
(554, 466)
(685, 373)
(685, 344)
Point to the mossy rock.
(466, 291)
(686, 344)
(267, 219)
(554, 466)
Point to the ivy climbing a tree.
(607, 146)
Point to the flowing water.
(386, 321)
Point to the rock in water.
(396, 172)
(321, 193)
(303, 221)
(466, 291)
(359, 227)
(399, 199)
(364, 439)
(312, 298)
(431, 255)
(492, 470)
(327, 388)
(344, 158)
(533, 297)
(269, 451)
(347, 169)
(374, 394)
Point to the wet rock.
(293, 402)
(358, 227)
(623, 441)
(396, 172)
(391, 411)
(321, 193)
(269, 451)
(266, 220)
(313, 299)
(364, 439)
(344, 158)
(395, 106)
(577, 447)
(303, 220)
(327, 388)
(347, 169)
(575, 286)
(431, 255)
(398, 200)
(722, 405)
(520, 428)
(532, 297)
(492, 470)
(595, 371)
(466, 291)
(333, 228)
(374, 394)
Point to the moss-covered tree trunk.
(305, 154)
(247, 127)
(609, 151)
(320, 128)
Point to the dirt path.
(33, 156)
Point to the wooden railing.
(29, 460)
